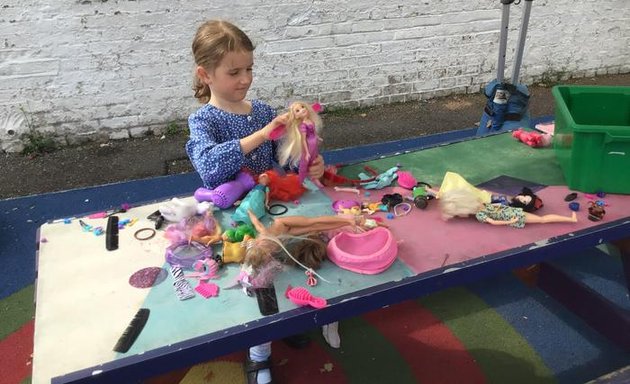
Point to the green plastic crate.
(592, 137)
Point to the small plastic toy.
(367, 253)
(533, 139)
(596, 211)
(226, 194)
(422, 195)
(301, 296)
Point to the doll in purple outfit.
(300, 144)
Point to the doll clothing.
(502, 213)
(214, 146)
(254, 200)
(313, 148)
(454, 181)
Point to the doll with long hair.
(460, 202)
(300, 144)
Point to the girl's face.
(299, 111)
(231, 79)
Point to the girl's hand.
(275, 123)
(316, 169)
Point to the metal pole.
(505, 21)
(521, 41)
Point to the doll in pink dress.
(300, 144)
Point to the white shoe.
(331, 334)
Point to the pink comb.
(301, 296)
(207, 289)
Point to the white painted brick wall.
(99, 69)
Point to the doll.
(526, 199)
(286, 187)
(300, 144)
(461, 202)
(256, 200)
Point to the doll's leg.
(300, 225)
(535, 219)
(303, 169)
(256, 223)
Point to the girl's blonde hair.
(458, 202)
(213, 40)
(290, 150)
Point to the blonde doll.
(300, 144)
(460, 202)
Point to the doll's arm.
(267, 190)
(501, 222)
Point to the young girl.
(229, 132)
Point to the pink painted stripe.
(426, 344)
(16, 351)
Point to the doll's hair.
(458, 202)
(198, 225)
(213, 40)
(290, 149)
(285, 188)
(306, 251)
(534, 204)
(310, 251)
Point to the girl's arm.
(253, 141)
(215, 162)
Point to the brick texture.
(98, 69)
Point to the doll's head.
(260, 251)
(458, 202)
(307, 251)
(300, 111)
(212, 42)
(527, 200)
(264, 179)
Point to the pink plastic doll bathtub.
(368, 253)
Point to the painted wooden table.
(85, 301)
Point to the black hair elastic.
(282, 211)
(140, 231)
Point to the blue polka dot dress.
(214, 145)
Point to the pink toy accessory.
(226, 194)
(533, 139)
(301, 296)
(406, 180)
(207, 289)
(367, 253)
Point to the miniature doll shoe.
(301, 296)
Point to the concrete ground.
(102, 163)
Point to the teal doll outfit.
(254, 201)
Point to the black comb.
(133, 330)
(111, 234)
